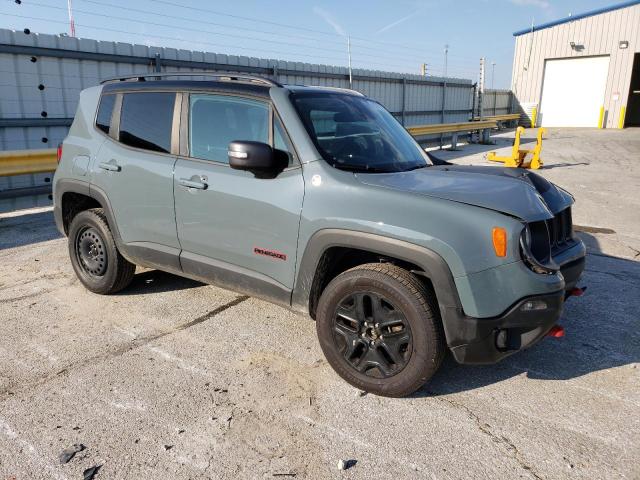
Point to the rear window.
(146, 120)
(103, 119)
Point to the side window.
(280, 141)
(103, 119)
(146, 120)
(217, 120)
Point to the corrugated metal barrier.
(42, 76)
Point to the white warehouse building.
(581, 71)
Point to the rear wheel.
(379, 329)
(94, 255)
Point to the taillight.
(59, 153)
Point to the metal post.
(444, 103)
(446, 59)
(404, 98)
(493, 73)
(72, 25)
(157, 63)
(444, 85)
(481, 89)
(473, 108)
(349, 53)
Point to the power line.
(282, 25)
(395, 55)
(331, 58)
(156, 24)
(95, 27)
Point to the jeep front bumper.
(488, 340)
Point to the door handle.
(112, 167)
(185, 182)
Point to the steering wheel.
(352, 147)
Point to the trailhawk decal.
(270, 253)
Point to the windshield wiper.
(417, 167)
(359, 168)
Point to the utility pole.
(493, 73)
(72, 25)
(349, 53)
(446, 59)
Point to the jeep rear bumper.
(488, 340)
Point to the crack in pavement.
(484, 428)
(121, 350)
(213, 313)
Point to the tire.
(94, 255)
(389, 345)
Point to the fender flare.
(69, 185)
(432, 264)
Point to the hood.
(513, 191)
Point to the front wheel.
(379, 329)
(94, 255)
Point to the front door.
(235, 229)
(134, 168)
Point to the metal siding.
(64, 78)
(600, 35)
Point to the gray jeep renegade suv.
(319, 200)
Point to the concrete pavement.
(175, 379)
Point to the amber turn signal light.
(499, 236)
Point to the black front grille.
(560, 230)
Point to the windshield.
(356, 133)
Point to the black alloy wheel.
(379, 328)
(375, 336)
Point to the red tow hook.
(577, 292)
(557, 331)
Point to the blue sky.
(396, 35)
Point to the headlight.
(536, 249)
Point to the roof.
(321, 89)
(580, 16)
(187, 85)
(255, 85)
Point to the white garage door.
(573, 92)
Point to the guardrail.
(499, 119)
(455, 129)
(24, 162)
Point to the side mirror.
(256, 157)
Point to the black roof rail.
(223, 76)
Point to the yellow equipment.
(518, 156)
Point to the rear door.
(234, 228)
(134, 169)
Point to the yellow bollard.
(601, 119)
(536, 162)
(534, 117)
(623, 113)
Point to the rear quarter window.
(105, 109)
(146, 120)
